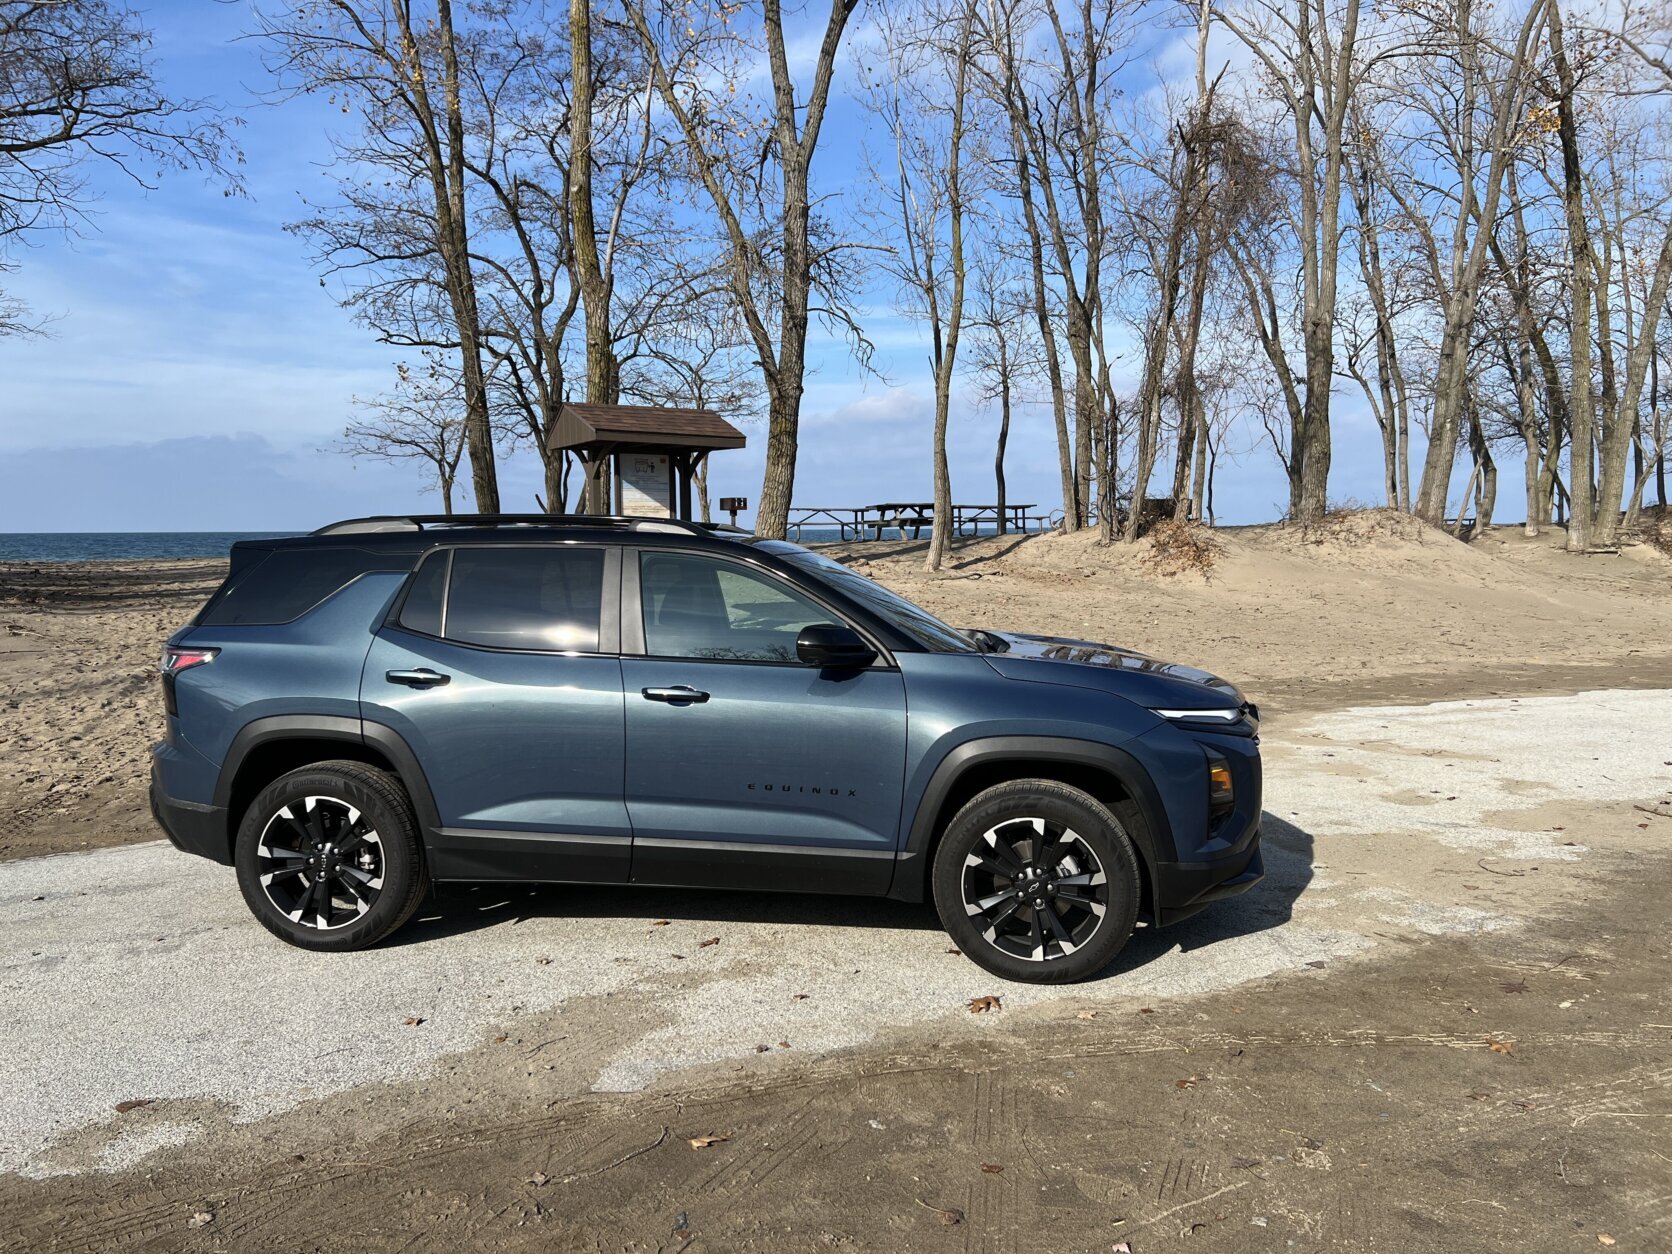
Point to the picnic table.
(874, 521)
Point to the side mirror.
(831, 645)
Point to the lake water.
(83, 546)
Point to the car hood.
(1145, 680)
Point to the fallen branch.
(628, 1157)
(1659, 814)
(1482, 865)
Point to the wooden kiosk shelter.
(638, 460)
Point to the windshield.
(914, 620)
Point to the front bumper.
(1183, 888)
(189, 825)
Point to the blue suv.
(394, 702)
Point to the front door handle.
(423, 677)
(679, 694)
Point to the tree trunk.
(998, 455)
(1619, 426)
(589, 271)
(1581, 404)
(447, 177)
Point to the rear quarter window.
(287, 583)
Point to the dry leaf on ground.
(1087, 1014)
(712, 940)
(992, 1169)
(1500, 1047)
(704, 1142)
(411, 1021)
(981, 1005)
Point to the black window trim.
(633, 640)
(609, 608)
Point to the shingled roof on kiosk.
(639, 460)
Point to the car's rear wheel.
(329, 858)
(1037, 881)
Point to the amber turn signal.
(1221, 794)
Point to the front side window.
(535, 597)
(913, 620)
(698, 608)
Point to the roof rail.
(422, 522)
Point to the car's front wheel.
(1037, 881)
(329, 857)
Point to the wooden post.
(682, 467)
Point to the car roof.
(408, 533)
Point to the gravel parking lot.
(135, 975)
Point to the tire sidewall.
(395, 828)
(1057, 803)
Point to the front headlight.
(1215, 714)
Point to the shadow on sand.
(457, 909)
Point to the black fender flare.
(385, 740)
(1153, 837)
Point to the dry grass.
(1178, 548)
(1657, 530)
(1353, 526)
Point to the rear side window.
(529, 597)
(422, 610)
(287, 583)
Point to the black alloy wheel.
(1037, 882)
(329, 856)
(321, 862)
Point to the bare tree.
(683, 49)
(1006, 35)
(1312, 64)
(402, 70)
(78, 89)
(924, 98)
(420, 419)
(1005, 354)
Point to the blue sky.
(197, 371)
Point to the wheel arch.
(270, 747)
(1104, 772)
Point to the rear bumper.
(1183, 888)
(189, 825)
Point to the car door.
(745, 767)
(500, 668)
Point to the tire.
(354, 822)
(996, 899)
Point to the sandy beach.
(1441, 1022)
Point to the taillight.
(177, 658)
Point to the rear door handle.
(679, 694)
(423, 677)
